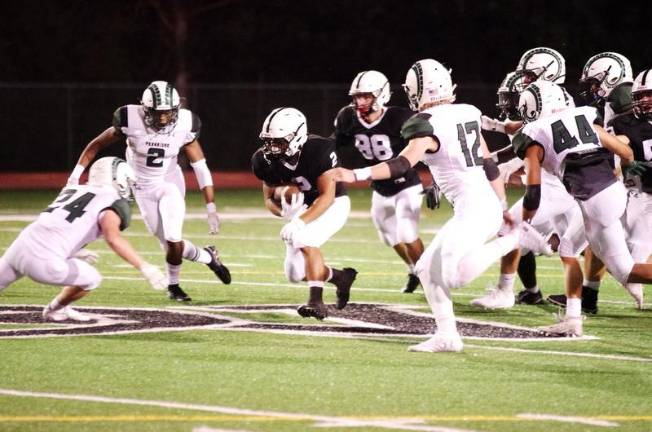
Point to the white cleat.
(636, 291)
(440, 342)
(495, 299)
(531, 239)
(572, 327)
(66, 313)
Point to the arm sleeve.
(417, 127)
(195, 128)
(123, 209)
(120, 119)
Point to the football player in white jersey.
(374, 129)
(155, 132)
(567, 142)
(446, 137)
(606, 84)
(559, 214)
(45, 250)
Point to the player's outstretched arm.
(103, 140)
(205, 182)
(110, 226)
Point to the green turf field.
(221, 379)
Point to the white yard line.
(413, 424)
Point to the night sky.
(227, 41)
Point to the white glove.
(490, 124)
(294, 207)
(213, 219)
(87, 255)
(73, 180)
(291, 229)
(154, 276)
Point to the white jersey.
(72, 220)
(561, 134)
(151, 153)
(457, 165)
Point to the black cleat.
(412, 284)
(217, 267)
(313, 309)
(176, 293)
(343, 290)
(589, 300)
(529, 298)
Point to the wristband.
(362, 173)
(211, 207)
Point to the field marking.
(413, 424)
(565, 353)
(570, 419)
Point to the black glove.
(636, 168)
(433, 196)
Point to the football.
(285, 191)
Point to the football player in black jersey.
(637, 127)
(289, 156)
(374, 130)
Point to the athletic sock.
(527, 271)
(173, 273)
(195, 254)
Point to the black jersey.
(377, 142)
(639, 132)
(317, 156)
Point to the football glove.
(292, 208)
(433, 196)
(154, 276)
(636, 168)
(291, 229)
(87, 255)
(213, 219)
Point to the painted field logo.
(26, 321)
(355, 320)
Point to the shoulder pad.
(521, 142)
(344, 119)
(620, 98)
(416, 127)
(196, 125)
(120, 118)
(123, 209)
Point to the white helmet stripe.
(271, 117)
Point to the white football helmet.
(161, 104)
(373, 82)
(542, 64)
(115, 172)
(541, 99)
(508, 94)
(283, 133)
(602, 73)
(428, 81)
(642, 95)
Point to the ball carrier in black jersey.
(290, 156)
(374, 130)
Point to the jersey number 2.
(155, 157)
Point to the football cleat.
(313, 309)
(176, 293)
(572, 327)
(217, 267)
(412, 284)
(589, 300)
(440, 342)
(530, 298)
(495, 299)
(66, 313)
(343, 290)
